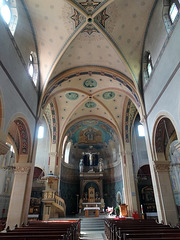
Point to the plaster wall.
(23, 34)
(139, 149)
(15, 77)
(43, 149)
(162, 91)
(14, 105)
(156, 34)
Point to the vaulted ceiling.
(90, 56)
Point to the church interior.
(89, 109)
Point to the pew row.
(139, 229)
(67, 230)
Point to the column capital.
(161, 166)
(53, 154)
(22, 168)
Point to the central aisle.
(92, 228)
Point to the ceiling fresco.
(90, 129)
(90, 59)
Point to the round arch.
(165, 125)
(18, 134)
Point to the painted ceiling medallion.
(102, 17)
(90, 5)
(72, 95)
(77, 17)
(89, 28)
(90, 105)
(108, 95)
(90, 83)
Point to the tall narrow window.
(141, 130)
(33, 67)
(5, 11)
(173, 12)
(149, 65)
(67, 152)
(9, 14)
(41, 132)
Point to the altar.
(91, 186)
(87, 209)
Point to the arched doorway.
(145, 189)
(165, 134)
(19, 137)
(36, 206)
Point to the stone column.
(129, 183)
(167, 208)
(17, 195)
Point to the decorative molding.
(77, 18)
(162, 166)
(90, 28)
(4, 148)
(22, 169)
(102, 17)
(24, 143)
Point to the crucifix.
(90, 156)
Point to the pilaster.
(17, 195)
(167, 203)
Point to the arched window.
(9, 14)
(173, 11)
(33, 67)
(141, 130)
(67, 152)
(40, 132)
(170, 13)
(147, 66)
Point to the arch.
(19, 137)
(164, 133)
(145, 189)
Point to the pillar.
(166, 208)
(129, 183)
(17, 195)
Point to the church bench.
(47, 230)
(35, 237)
(152, 235)
(155, 238)
(114, 229)
(148, 232)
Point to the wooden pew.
(67, 230)
(122, 229)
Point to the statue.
(100, 164)
(90, 157)
(81, 165)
